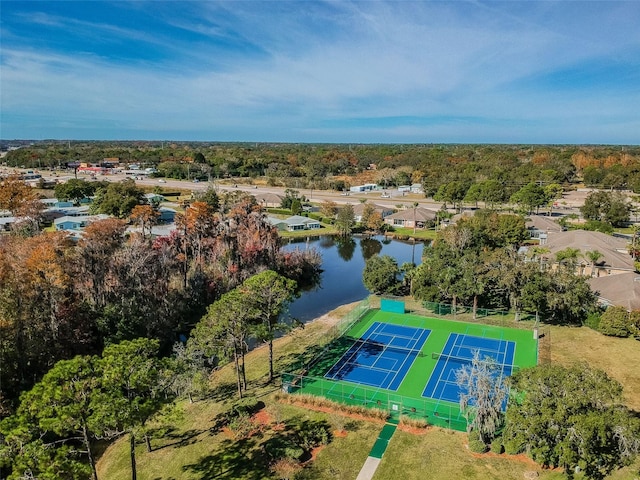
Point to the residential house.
(167, 215)
(6, 222)
(539, 227)
(615, 257)
(622, 290)
(55, 203)
(267, 200)
(81, 211)
(156, 230)
(154, 198)
(463, 215)
(294, 223)
(419, 217)
(76, 223)
(358, 210)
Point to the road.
(312, 195)
(568, 205)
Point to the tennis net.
(467, 360)
(438, 356)
(378, 347)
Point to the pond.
(343, 261)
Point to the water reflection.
(370, 247)
(346, 247)
(342, 265)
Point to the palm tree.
(415, 205)
(539, 253)
(593, 257)
(568, 257)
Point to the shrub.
(511, 447)
(593, 321)
(320, 402)
(496, 446)
(475, 444)
(279, 211)
(313, 436)
(615, 322)
(283, 447)
(293, 452)
(286, 468)
(337, 420)
(598, 226)
(414, 422)
(241, 425)
(238, 417)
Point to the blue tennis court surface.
(459, 351)
(381, 357)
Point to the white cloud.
(402, 59)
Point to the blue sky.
(306, 71)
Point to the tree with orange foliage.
(41, 319)
(146, 216)
(20, 199)
(94, 257)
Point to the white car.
(162, 180)
(385, 195)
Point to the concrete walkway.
(373, 460)
(369, 468)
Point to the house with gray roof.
(420, 217)
(294, 223)
(6, 222)
(154, 198)
(539, 226)
(268, 199)
(358, 210)
(622, 290)
(615, 257)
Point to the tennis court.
(458, 352)
(381, 357)
(391, 360)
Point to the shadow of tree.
(222, 392)
(231, 460)
(252, 457)
(173, 438)
(323, 356)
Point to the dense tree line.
(80, 400)
(90, 397)
(567, 417)
(333, 166)
(60, 298)
(476, 262)
(571, 418)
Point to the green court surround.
(407, 400)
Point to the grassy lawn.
(443, 453)
(619, 357)
(408, 233)
(191, 448)
(325, 229)
(625, 230)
